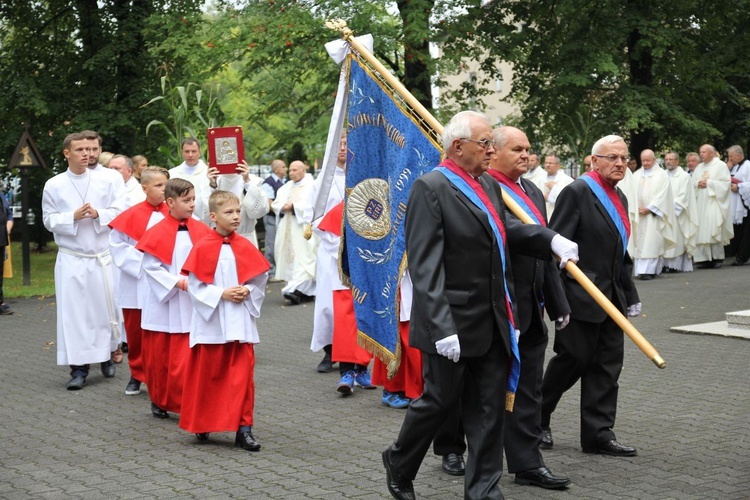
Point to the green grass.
(42, 273)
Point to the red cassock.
(219, 393)
(219, 390)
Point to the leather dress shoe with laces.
(76, 383)
(547, 441)
(613, 448)
(246, 441)
(453, 464)
(543, 478)
(108, 369)
(398, 486)
(158, 412)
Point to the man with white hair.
(653, 231)
(740, 204)
(679, 258)
(712, 182)
(593, 212)
(133, 191)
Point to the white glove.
(449, 347)
(634, 310)
(565, 249)
(562, 322)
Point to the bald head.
(648, 158)
(707, 153)
(297, 170)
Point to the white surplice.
(653, 233)
(712, 202)
(167, 308)
(134, 192)
(295, 256)
(217, 321)
(680, 257)
(561, 180)
(89, 322)
(327, 268)
(538, 176)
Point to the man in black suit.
(594, 213)
(537, 284)
(456, 239)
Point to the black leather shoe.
(646, 277)
(399, 487)
(202, 436)
(716, 264)
(543, 478)
(158, 412)
(246, 441)
(325, 366)
(453, 464)
(547, 441)
(108, 369)
(293, 297)
(124, 347)
(613, 448)
(76, 383)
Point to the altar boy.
(166, 312)
(226, 280)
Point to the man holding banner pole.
(457, 238)
(594, 213)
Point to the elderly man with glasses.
(593, 212)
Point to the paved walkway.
(689, 421)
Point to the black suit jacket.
(579, 216)
(537, 281)
(455, 267)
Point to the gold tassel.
(308, 231)
(510, 400)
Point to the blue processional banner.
(387, 151)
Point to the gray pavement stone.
(688, 421)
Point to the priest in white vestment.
(327, 269)
(77, 205)
(654, 229)
(680, 257)
(712, 181)
(740, 205)
(535, 173)
(555, 182)
(195, 170)
(295, 254)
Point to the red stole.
(133, 222)
(482, 194)
(204, 257)
(331, 222)
(159, 240)
(513, 186)
(614, 198)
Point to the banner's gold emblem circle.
(367, 209)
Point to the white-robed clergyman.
(295, 254)
(680, 256)
(654, 223)
(77, 205)
(712, 182)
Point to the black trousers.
(523, 432)
(479, 384)
(740, 244)
(591, 352)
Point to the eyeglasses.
(613, 158)
(484, 143)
